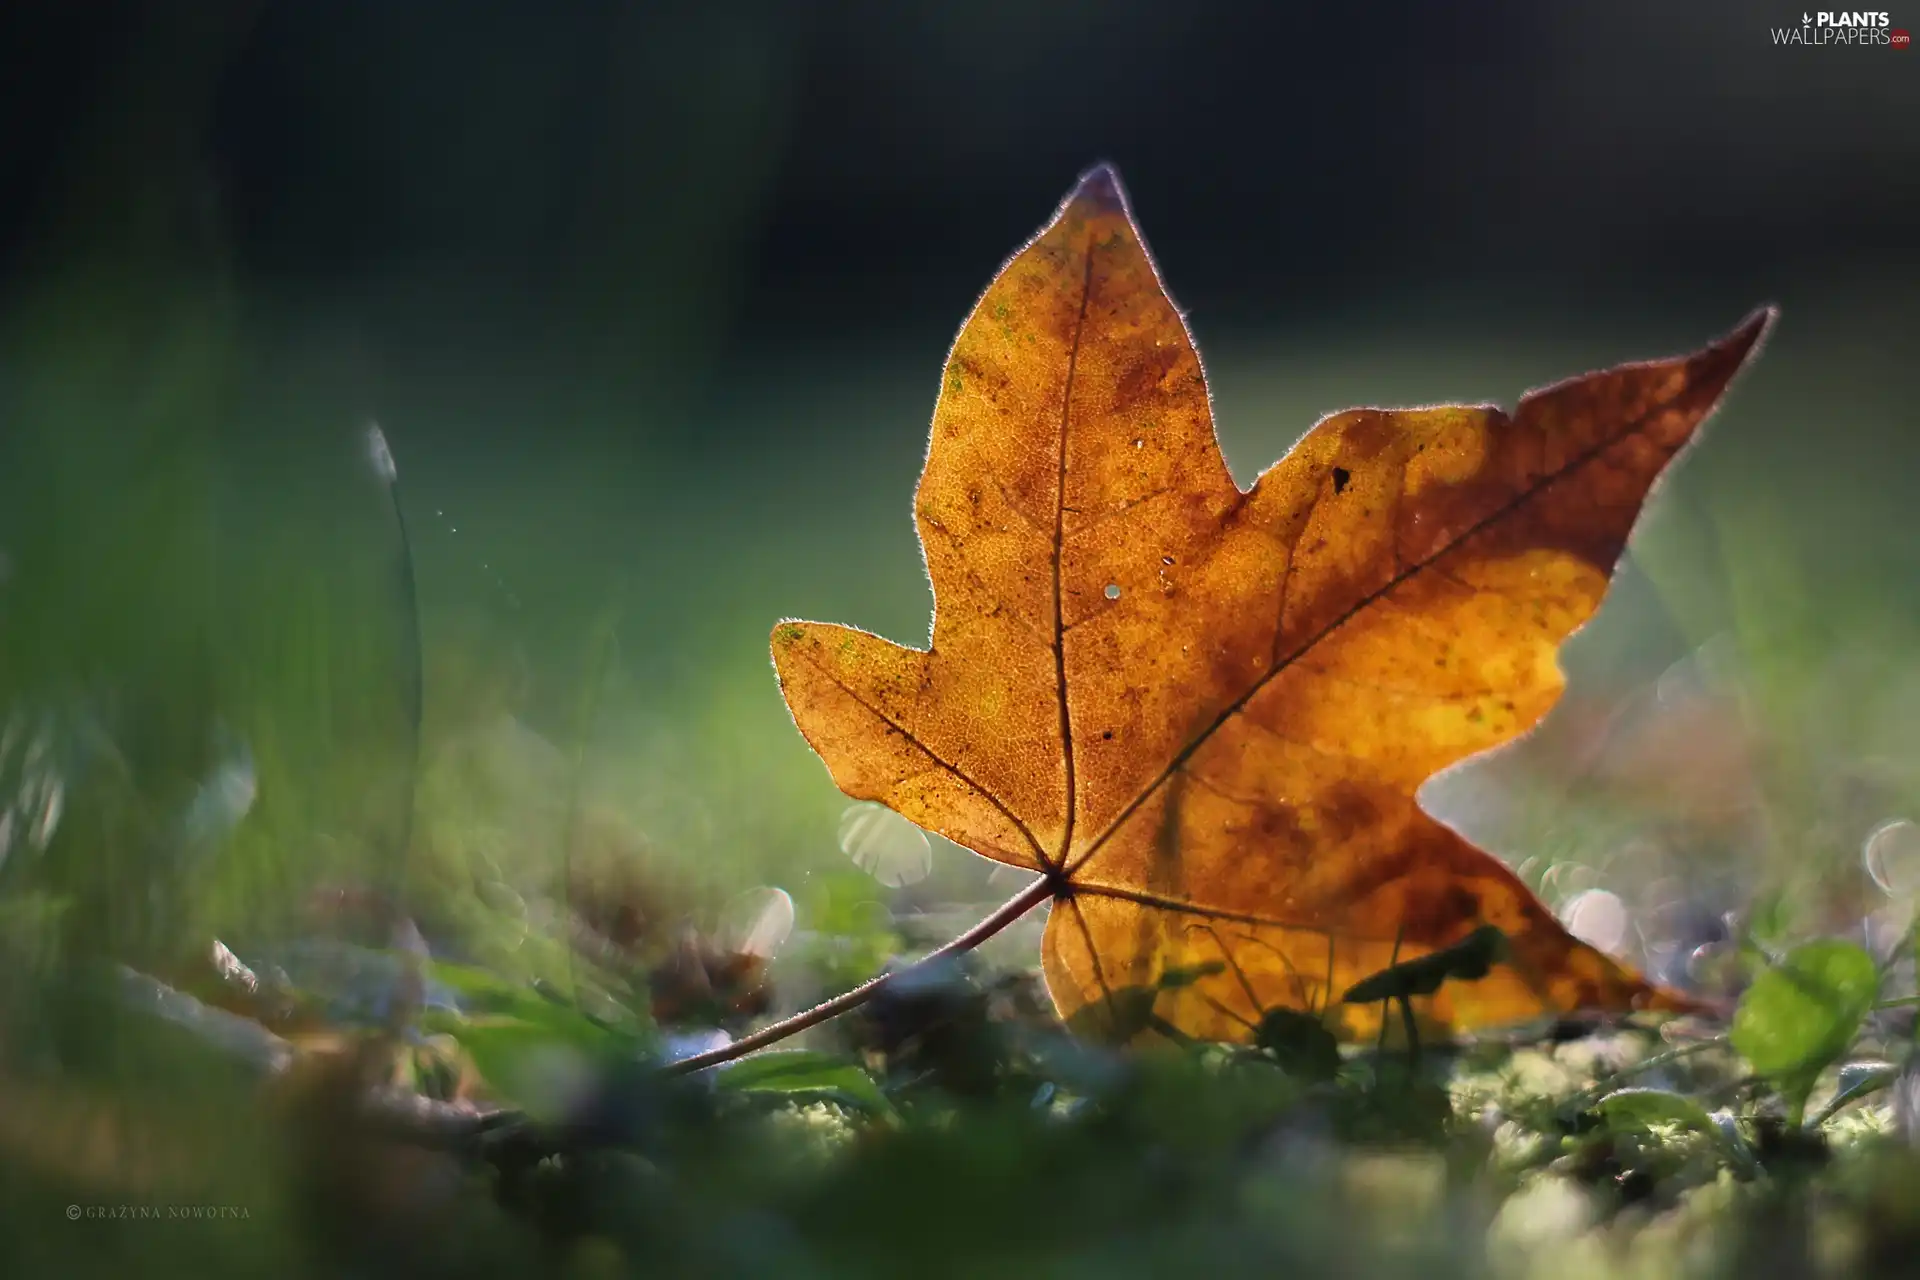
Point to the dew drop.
(1596, 917)
(1563, 882)
(1892, 857)
(1166, 559)
(1113, 591)
(756, 922)
(885, 845)
(379, 454)
(1139, 443)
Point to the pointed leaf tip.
(1731, 355)
(1099, 185)
(1753, 330)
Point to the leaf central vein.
(1059, 542)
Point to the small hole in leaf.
(1113, 591)
(1340, 477)
(1166, 559)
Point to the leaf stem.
(1002, 916)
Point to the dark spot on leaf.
(1347, 809)
(1340, 478)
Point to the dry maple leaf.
(1201, 714)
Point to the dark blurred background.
(651, 299)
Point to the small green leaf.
(534, 1050)
(525, 1063)
(484, 993)
(1641, 1108)
(1803, 1014)
(803, 1072)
